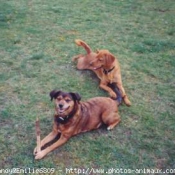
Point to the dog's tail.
(83, 44)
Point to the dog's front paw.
(126, 100)
(40, 155)
(113, 95)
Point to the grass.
(36, 46)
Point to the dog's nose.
(60, 106)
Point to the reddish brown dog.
(106, 67)
(73, 117)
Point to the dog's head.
(104, 59)
(64, 102)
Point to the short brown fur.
(86, 116)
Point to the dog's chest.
(105, 77)
(70, 128)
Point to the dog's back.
(97, 111)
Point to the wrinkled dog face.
(103, 59)
(64, 102)
(97, 63)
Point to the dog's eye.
(59, 99)
(67, 100)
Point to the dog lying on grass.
(105, 66)
(73, 117)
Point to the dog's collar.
(108, 71)
(64, 120)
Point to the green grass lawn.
(36, 47)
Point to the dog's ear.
(109, 59)
(54, 94)
(75, 96)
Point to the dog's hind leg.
(75, 58)
(111, 120)
(114, 123)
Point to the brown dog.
(84, 60)
(106, 67)
(73, 117)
